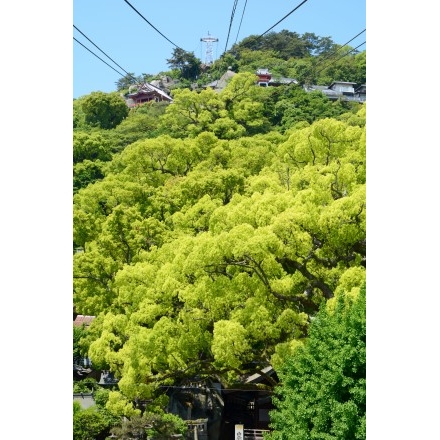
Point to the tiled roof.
(83, 319)
(342, 82)
(221, 83)
(255, 378)
(149, 88)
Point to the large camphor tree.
(208, 256)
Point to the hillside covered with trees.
(212, 233)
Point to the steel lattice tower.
(208, 54)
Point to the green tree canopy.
(322, 393)
(150, 425)
(207, 256)
(90, 146)
(90, 423)
(185, 62)
(233, 113)
(104, 110)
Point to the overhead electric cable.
(337, 59)
(98, 57)
(128, 74)
(278, 22)
(230, 22)
(339, 48)
(157, 30)
(241, 20)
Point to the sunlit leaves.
(229, 344)
(104, 110)
(93, 275)
(208, 256)
(90, 146)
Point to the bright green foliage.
(86, 172)
(90, 146)
(233, 113)
(229, 344)
(87, 385)
(89, 423)
(104, 110)
(252, 60)
(93, 280)
(345, 68)
(322, 394)
(76, 407)
(101, 396)
(192, 113)
(298, 105)
(208, 257)
(142, 122)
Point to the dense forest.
(221, 234)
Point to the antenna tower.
(208, 54)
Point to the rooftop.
(83, 320)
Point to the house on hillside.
(361, 92)
(266, 79)
(164, 83)
(345, 91)
(141, 93)
(221, 83)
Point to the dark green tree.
(323, 385)
(157, 426)
(78, 334)
(317, 45)
(90, 423)
(86, 172)
(185, 62)
(286, 43)
(122, 84)
(90, 146)
(343, 66)
(104, 110)
(79, 118)
(126, 81)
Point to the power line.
(157, 30)
(339, 48)
(230, 22)
(129, 74)
(278, 22)
(98, 57)
(337, 59)
(239, 27)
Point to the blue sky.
(136, 46)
